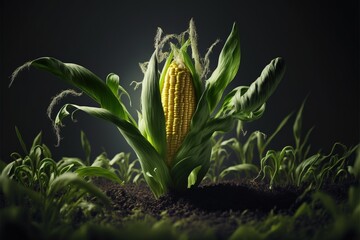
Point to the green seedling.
(292, 166)
(45, 190)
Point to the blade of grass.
(262, 148)
(63, 181)
(244, 167)
(85, 144)
(22, 143)
(98, 172)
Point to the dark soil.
(218, 206)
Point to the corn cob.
(178, 100)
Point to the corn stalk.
(189, 163)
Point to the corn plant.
(48, 193)
(218, 156)
(329, 168)
(119, 169)
(244, 150)
(127, 170)
(180, 107)
(283, 168)
(292, 166)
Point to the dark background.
(319, 41)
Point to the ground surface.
(220, 207)
(210, 211)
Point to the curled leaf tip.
(279, 62)
(234, 26)
(17, 71)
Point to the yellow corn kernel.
(178, 100)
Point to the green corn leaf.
(63, 181)
(98, 172)
(201, 114)
(101, 161)
(244, 167)
(303, 169)
(188, 164)
(113, 82)
(198, 136)
(155, 170)
(24, 174)
(261, 89)
(36, 142)
(48, 164)
(303, 154)
(250, 116)
(279, 127)
(165, 68)
(228, 65)
(204, 167)
(195, 151)
(81, 78)
(237, 147)
(46, 151)
(297, 127)
(195, 76)
(247, 232)
(223, 124)
(248, 146)
(193, 177)
(15, 192)
(141, 125)
(69, 164)
(228, 107)
(22, 143)
(118, 158)
(152, 111)
(85, 144)
(8, 170)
